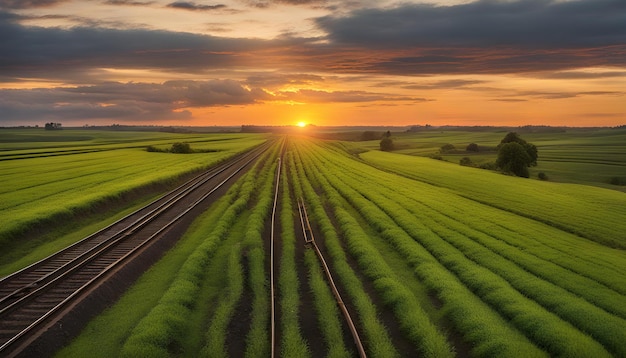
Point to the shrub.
(179, 147)
(542, 176)
(617, 181)
(488, 166)
(466, 161)
(447, 148)
(472, 147)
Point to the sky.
(322, 62)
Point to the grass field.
(577, 155)
(433, 259)
(60, 176)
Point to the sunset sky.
(325, 62)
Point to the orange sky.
(325, 62)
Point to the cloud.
(124, 101)
(530, 24)
(272, 80)
(483, 37)
(522, 96)
(445, 84)
(186, 5)
(480, 37)
(54, 52)
(581, 75)
(262, 4)
(160, 101)
(128, 3)
(28, 4)
(318, 96)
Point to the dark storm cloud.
(482, 37)
(28, 4)
(132, 101)
(185, 5)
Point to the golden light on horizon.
(301, 124)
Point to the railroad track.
(36, 295)
(310, 240)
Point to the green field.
(433, 259)
(575, 155)
(54, 177)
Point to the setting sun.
(301, 124)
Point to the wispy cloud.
(318, 96)
(187, 5)
(27, 4)
(128, 3)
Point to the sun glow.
(301, 124)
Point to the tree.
(531, 149)
(513, 158)
(386, 144)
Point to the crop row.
(324, 303)
(525, 239)
(486, 330)
(293, 343)
(593, 213)
(492, 278)
(376, 338)
(162, 331)
(604, 322)
(411, 317)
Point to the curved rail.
(309, 239)
(50, 284)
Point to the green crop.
(535, 276)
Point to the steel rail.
(310, 239)
(116, 264)
(272, 233)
